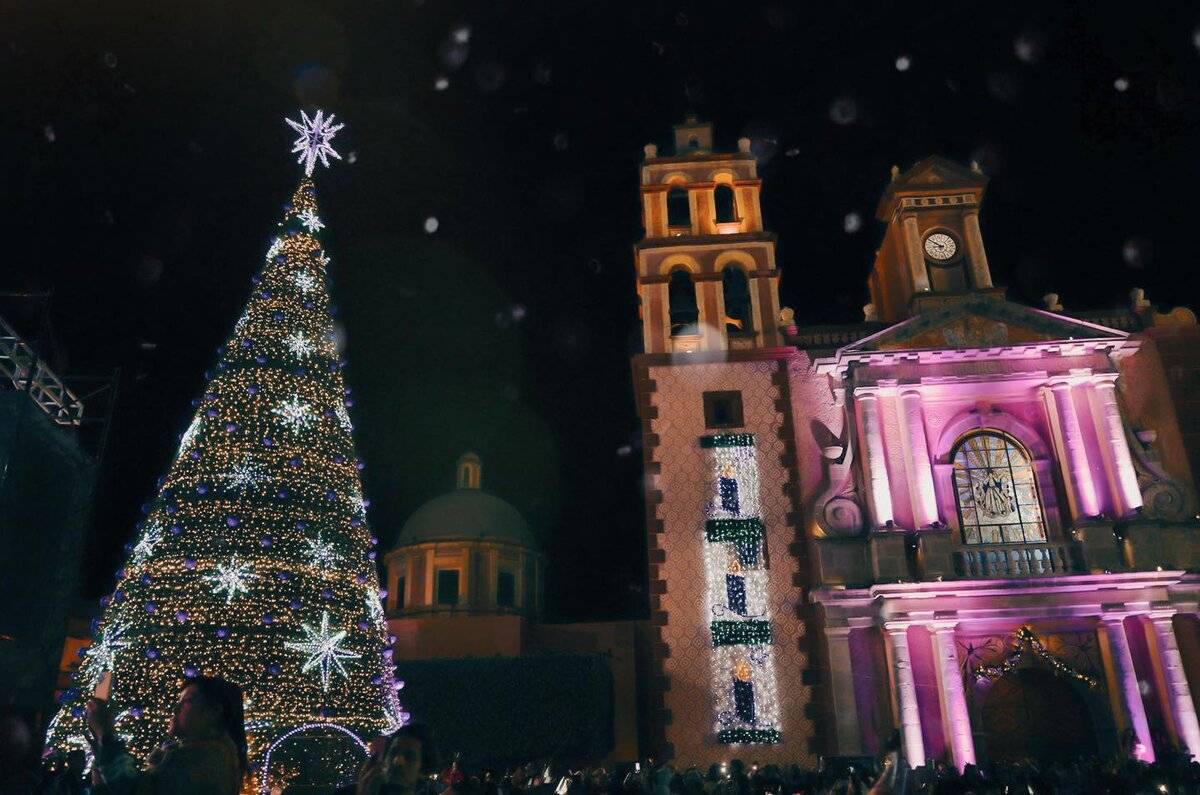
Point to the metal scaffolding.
(21, 366)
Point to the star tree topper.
(313, 143)
(323, 649)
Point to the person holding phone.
(205, 753)
(397, 764)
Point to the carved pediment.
(981, 323)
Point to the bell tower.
(932, 249)
(706, 273)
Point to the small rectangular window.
(400, 593)
(723, 410)
(506, 589)
(447, 587)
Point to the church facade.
(963, 519)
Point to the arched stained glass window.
(996, 489)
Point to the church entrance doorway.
(1033, 714)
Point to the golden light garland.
(1025, 640)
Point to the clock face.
(940, 246)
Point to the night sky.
(145, 162)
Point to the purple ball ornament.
(246, 343)
(266, 441)
(285, 575)
(273, 669)
(265, 542)
(376, 680)
(326, 593)
(194, 455)
(118, 596)
(372, 555)
(277, 316)
(349, 402)
(189, 564)
(230, 427)
(222, 633)
(361, 579)
(256, 280)
(294, 462)
(294, 604)
(232, 521)
(181, 616)
(150, 607)
(355, 521)
(135, 712)
(363, 626)
(104, 600)
(268, 619)
(283, 494)
(172, 509)
(252, 389)
(176, 529)
(144, 579)
(151, 653)
(210, 413)
(260, 359)
(202, 488)
(301, 524)
(189, 671)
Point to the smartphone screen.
(103, 686)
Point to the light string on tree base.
(1025, 640)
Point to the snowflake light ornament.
(276, 247)
(343, 418)
(310, 221)
(244, 475)
(146, 544)
(103, 653)
(358, 503)
(323, 649)
(374, 606)
(321, 553)
(233, 578)
(189, 435)
(313, 143)
(296, 414)
(299, 345)
(305, 282)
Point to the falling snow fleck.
(1121, 84)
(851, 223)
(903, 63)
(442, 83)
(431, 225)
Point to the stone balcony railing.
(934, 554)
(1011, 560)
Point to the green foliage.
(509, 710)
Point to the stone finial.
(1137, 300)
(895, 172)
(651, 151)
(870, 313)
(975, 167)
(787, 316)
(744, 144)
(1051, 302)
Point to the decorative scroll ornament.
(838, 510)
(1025, 641)
(1162, 497)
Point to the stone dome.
(466, 514)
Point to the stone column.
(879, 490)
(951, 695)
(906, 694)
(1110, 429)
(924, 498)
(1074, 453)
(916, 257)
(1183, 709)
(981, 274)
(1129, 695)
(841, 686)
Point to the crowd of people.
(205, 754)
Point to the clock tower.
(932, 249)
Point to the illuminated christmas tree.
(254, 561)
